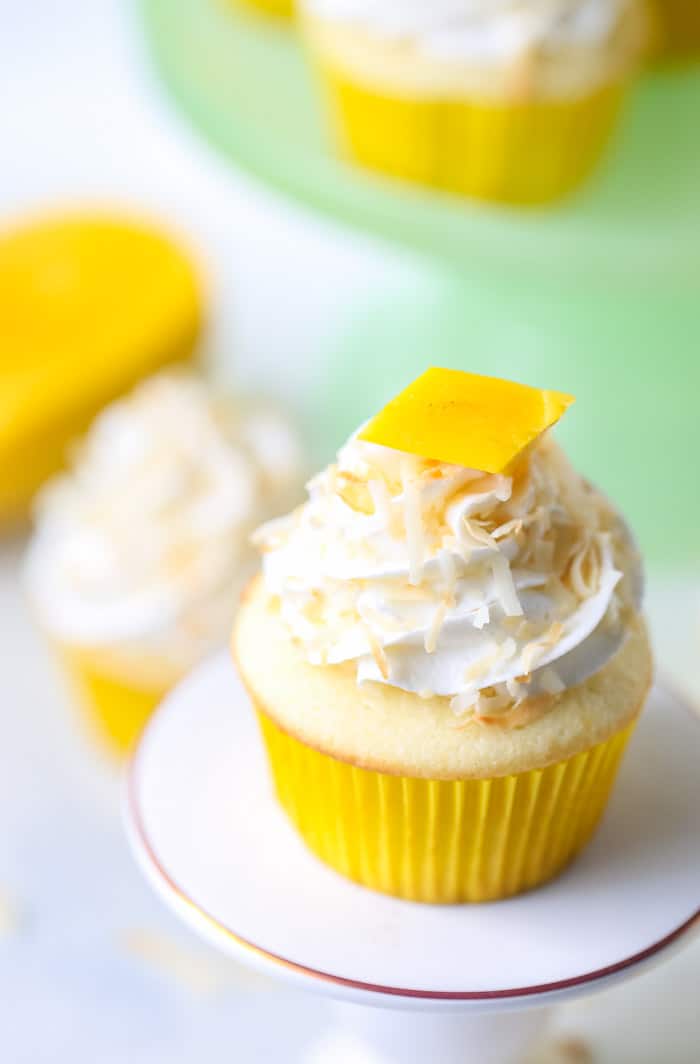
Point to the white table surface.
(91, 966)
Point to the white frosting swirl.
(441, 580)
(148, 537)
(481, 29)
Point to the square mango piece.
(479, 422)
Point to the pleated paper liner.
(529, 152)
(115, 710)
(442, 841)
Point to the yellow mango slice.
(480, 422)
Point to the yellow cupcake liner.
(278, 8)
(442, 841)
(675, 28)
(532, 151)
(115, 711)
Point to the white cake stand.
(452, 983)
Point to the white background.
(91, 968)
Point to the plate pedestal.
(390, 1036)
(411, 983)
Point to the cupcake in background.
(503, 100)
(459, 655)
(141, 550)
(675, 29)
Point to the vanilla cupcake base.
(389, 790)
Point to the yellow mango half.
(480, 422)
(89, 304)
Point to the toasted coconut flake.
(505, 586)
(386, 623)
(509, 528)
(377, 651)
(527, 711)
(273, 534)
(409, 593)
(508, 649)
(355, 493)
(464, 702)
(477, 533)
(415, 533)
(481, 667)
(577, 579)
(481, 617)
(492, 702)
(516, 690)
(433, 633)
(568, 544)
(199, 973)
(312, 609)
(449, 576)
(381, 500)
(551, 682)
(613, 614)
(538, 648)
(492, 483)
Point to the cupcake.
(89, 305)
(459, 659)
(504, 100)
(141, 549)
(675, 28)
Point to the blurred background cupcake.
(141, 550)
(498, 99)
(675, 28)
(89, 304)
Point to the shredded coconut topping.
(494, 591)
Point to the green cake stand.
(599, 296)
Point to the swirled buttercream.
(441, 580)
(480, 29)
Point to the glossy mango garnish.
(479, 422)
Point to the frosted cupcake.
(506, 100)
(141, 550)
(453, 617)
(675, 28)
